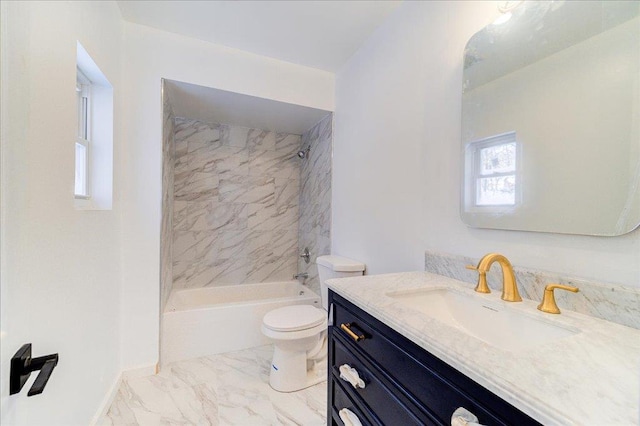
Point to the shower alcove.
(246, 186)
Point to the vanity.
(404, 384)
(550, 142)
(422, 347)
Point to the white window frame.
(83, 93)
(98, 137)
(473, 173)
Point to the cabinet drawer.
(379, 395)
(342, 400)
(425, 379)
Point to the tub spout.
(302, 275)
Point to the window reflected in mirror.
(492, 172)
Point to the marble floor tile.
(223, 389)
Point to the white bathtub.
(211, 320)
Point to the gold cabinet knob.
(548, 303)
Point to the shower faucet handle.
(306, 255)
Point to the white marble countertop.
(589, 378)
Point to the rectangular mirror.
(551, 119)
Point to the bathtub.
(212, 320)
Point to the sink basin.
(483, 319)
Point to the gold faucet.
(509, 286)
(548, 303)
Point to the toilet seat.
(294, 318)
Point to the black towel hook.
(22, 365)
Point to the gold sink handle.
(548, 303)
(482, 286)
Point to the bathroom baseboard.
(100, 417)
(136, 373)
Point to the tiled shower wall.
(236, 194)
(315, 198)
(166, 232)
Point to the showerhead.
(304, 153)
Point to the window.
(492, 175)
(93, 184)
(83, 139)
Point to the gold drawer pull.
(354, 336)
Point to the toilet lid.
(294, 318)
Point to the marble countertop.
(589, 378)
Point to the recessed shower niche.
(239, 204)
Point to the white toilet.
(299, 332)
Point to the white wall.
(150, 55)
(397, 157)
(60, 266)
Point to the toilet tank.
(335, 267)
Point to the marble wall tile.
(230, 160)
(260, 218)
(229, 244)
(243, 202)
(233, 135)
(214, 215)
(287, 192)
(247, 189)
(219, 160)
(314, 229)
(273, 218)
(168, 172)
(279, 164)
(203, 273)
(238, 136)
(610, 302)
(236, 195)
(273, 268)
(179, 216)
(284, 242)
(287, 142)
(261, 139)
(196, 186)
(281, 212)
(195, 132)
(194, 245)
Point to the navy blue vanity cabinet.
(404, 384)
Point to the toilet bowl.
(299, 333)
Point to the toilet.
(299, 332)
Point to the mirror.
(551, 119)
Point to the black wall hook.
(22, 365)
